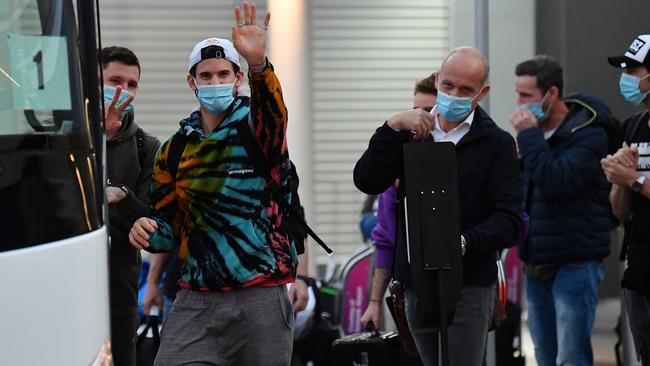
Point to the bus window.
(34, 73)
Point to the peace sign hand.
(113, 117)
(249, 38)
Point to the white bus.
(53, 240)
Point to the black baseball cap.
(637, 54)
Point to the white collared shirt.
(548, 134)
(454, 135)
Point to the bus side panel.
(54, 302)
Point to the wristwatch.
(637, 185)
(305, 279)
(124, 189)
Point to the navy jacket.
(566, 192)
(489, 188)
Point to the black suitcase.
(372, 349)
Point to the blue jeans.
(561, 312)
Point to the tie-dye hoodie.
(217, 209)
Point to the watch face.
(637, 186)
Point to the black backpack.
(294, 217)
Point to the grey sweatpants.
(467, 333)
(243, 327)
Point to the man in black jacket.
(489, 190)
(130, 155)
(561, 141)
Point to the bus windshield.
(48, 184)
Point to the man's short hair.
(121, 54)
(545, 69)
(427, 85)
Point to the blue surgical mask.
(454, 109)
(109, 93)
(537, 109)
(215, 98)
(629, 85)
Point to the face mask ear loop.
(235, 88)
(196, 91)
(478, 92)
(471, 100)
(541, 103)
(639, 85)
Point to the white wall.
(512, 40)
(289, 52)
(365, 58)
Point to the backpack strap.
(261, 165)
(176, 148)
(296, 232)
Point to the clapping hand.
(620, 168)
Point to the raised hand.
(417, 121)
(248, 37)
(113, 117)
(523, 119)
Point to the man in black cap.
(628, 170)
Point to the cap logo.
(213, 51)
(636, 46)
(216, 48)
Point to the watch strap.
(124, 188)
(637, 185)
